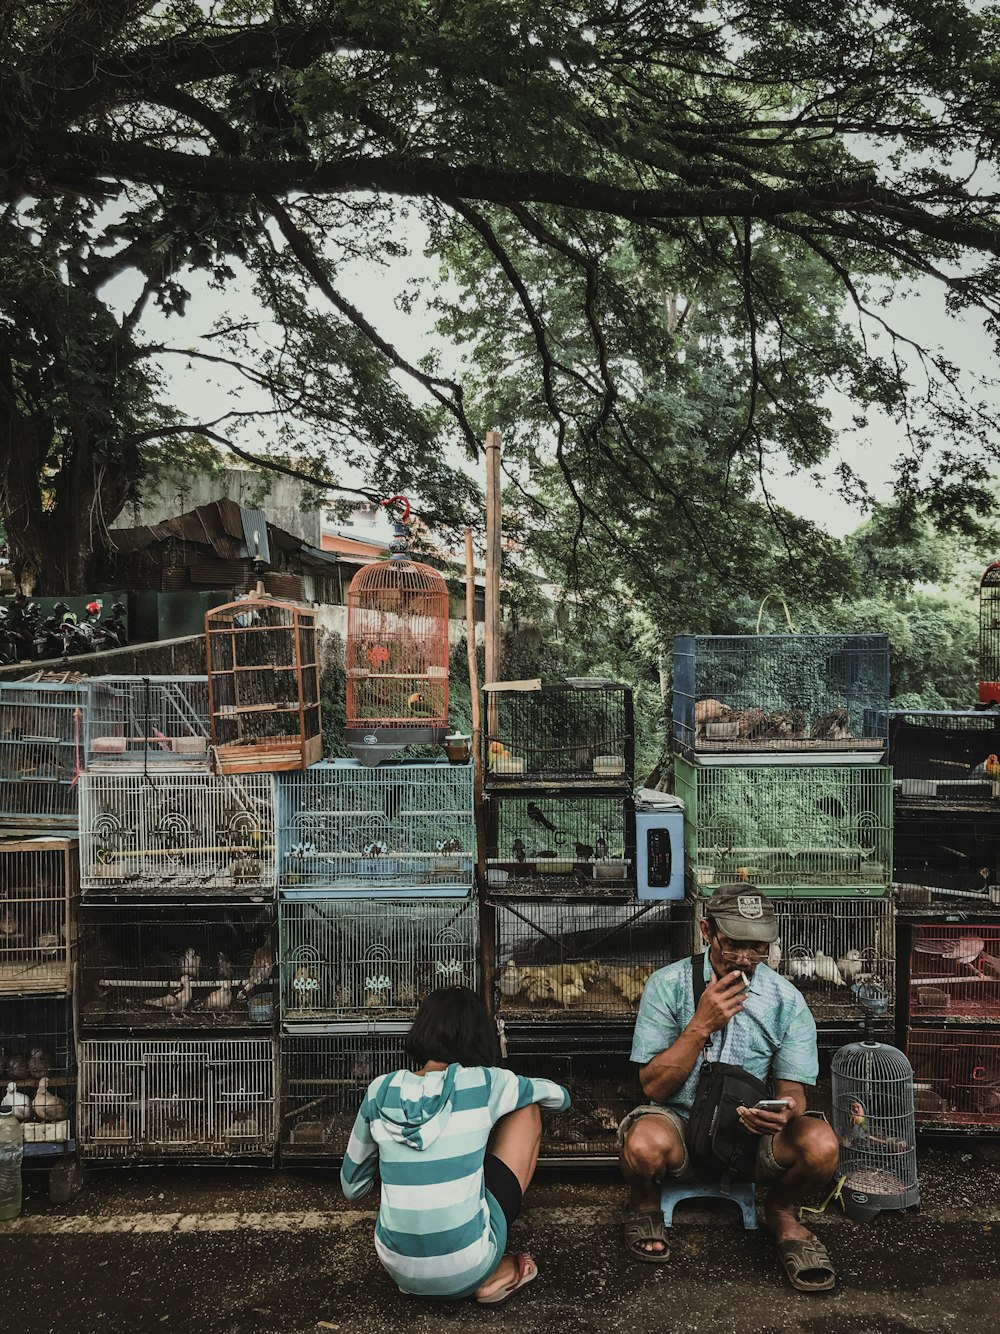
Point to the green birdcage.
(799, 830)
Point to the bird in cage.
(786, 723)
(850, 964)
(601, 846)
(190, 963)
(17, 1066)
(305, 984)
(582, 851)
(223, 967)
(833, 726)
(10, 928)
(378, 657)
(511, 979)
(417, 705)
(176, 1000)
(260, 970)
(988, 768)
(39, 1063)
(496, 752)
(16, 1103)
(220, 999)
(378, 987)
(519, 850)
(826, 969)
(800, 966)
(964, 949)
(48, 1106)
(448, 845)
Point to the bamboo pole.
(470, 635)
(493, 541)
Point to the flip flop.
(644, 1225)
(807, 1256)
(526, 1271)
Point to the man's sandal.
(641, 1227)
(807, 1265)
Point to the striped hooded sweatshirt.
(427, 1136)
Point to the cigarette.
(746, 980)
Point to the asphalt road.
(237, 1251)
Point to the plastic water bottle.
(11, 1153)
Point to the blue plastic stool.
(742, 1194)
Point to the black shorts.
(503, 1185)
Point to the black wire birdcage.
(941, 856)
(989, 635)
(578, 734)
(956, 1077)
(38, 1069)
(945, 758)
(574, 843)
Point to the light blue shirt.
(772, 1037)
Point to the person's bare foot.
(502, 1277)
(646, 1202)
(783, 1221)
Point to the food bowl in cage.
(609, 870)
(310, 1132)
(496, 876)
(189, 745)
(509, 764)
(46, 1132)
(609, 765)
(554, 866)
(260, 1010)
(376, 868)
(108, 745)
(704, 875)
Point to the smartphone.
(771, 1105)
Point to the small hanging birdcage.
(989, 635)
(397, 653)
(263, 685)
(873, 1117)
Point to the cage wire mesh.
(181, 1097)
(603, 1085)
(581, 962)
(263, 685)
(583, 844)
(956, 1076)
(38, 1068)
(42, 727)
(989, 635)
(943, 855)
(945, 756)
(363, 959)
(39, 882)
(324, 1078)
(873, 1117)
(780, 692)
(176, 967)
(135, 722)
(954, 972)
(174, 833)
(580, 735)
(804, 829)
(840, 953)
(343, 825)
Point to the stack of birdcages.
(176, 952)
(578, 917)
(946, 774)
(376, 908)
(780, 766)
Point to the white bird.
(850, 964)
(221, 998)
(801, 966)
(178, 999)
(774, 955)
(48, 1106)
(260, 970)
(190, 963)
(963, 949)
(16, 1102)
(827, 970)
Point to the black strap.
(698, 982)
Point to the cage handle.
(406, 506)
(788, 617)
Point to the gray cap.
(742, 912)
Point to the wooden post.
(493, 540)
(470, 635)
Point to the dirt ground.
(243, 1251)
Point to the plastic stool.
(742, 1194)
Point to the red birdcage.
(989, 635)
(263, 685)
(397, 653)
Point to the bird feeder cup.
(397, 655)
(263, 685)
(989, 635)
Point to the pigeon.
(827, 970)
(511, 979)
(221, 998)
(260, 970)
(963, 949)
(802, 967)
(17, 1067)
(178, 1000)
(850, 964)
(18, 1104)
(48, 1106)
(39, 1063)
(774, 955)
(190, 963)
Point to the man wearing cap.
(749, 1016)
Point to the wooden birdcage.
(989, 635)
(263, 685)
(397, 654)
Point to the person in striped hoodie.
(455, 1145)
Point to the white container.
(496, 876)
(609, 764)
(509, 764)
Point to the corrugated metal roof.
(255, 534)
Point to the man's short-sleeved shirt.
(773, 1036)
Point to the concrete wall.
(288, 503)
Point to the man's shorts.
(767, 1170)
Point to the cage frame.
(503, 769)
(276, 753)
(372, 865)
(131, 1057)
(62, 752)
(238, 862)
(446, 929)
(47, 1018)
(764, 864)
(930, 994)
(778, 729)
(55, 978)
(150, 752)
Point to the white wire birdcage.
(324, 1078)
(840, 953)
(42, 726)
(177, 833)
(874, 1121)
(184, 1097)
(396, 830)
(39, 880)
(574, 962)
(365, 959)
(141, 722)
(175, 966)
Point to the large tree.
(142, 143)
